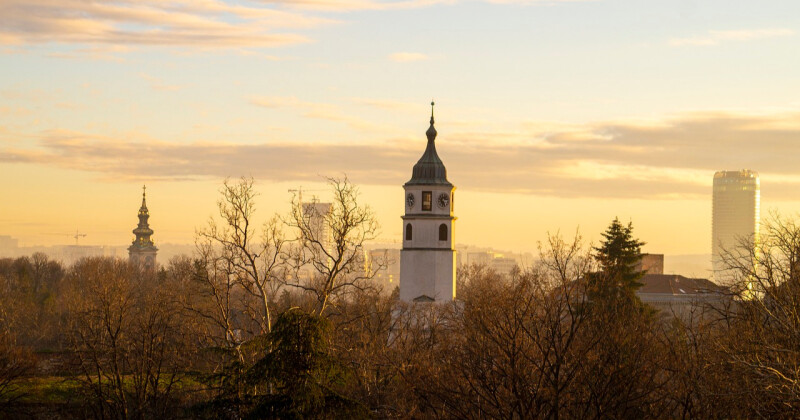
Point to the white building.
(428, 257)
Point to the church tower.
(428, 258)
(142, 250)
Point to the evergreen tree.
(302, 372)
(618, 255)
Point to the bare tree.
(234, 254)
(15, 364)
(126, 332)
(762, 330)
(330, 242)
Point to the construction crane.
(77, 235)
(299, 192)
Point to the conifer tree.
(618, 255)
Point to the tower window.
(427, 200)
(408, 232)
(443, 232)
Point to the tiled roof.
(676, 285)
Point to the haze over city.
(552, 115)
(399, 209)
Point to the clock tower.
(428, 258)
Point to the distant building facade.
(383, 265)
(735, 215)
(143, 251)
(651, 264)
(8, 244)
(428, 257)
(316, 213)
(680, 296)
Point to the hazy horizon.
(552, 115)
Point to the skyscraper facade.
(735, 215)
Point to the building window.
(427, 200)
(408, 232)
(443, 232)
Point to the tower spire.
(429, 169)
(431, 133)
(143, 250)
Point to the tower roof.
(143, 209)
(143, 232)
(429, 169)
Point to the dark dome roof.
(429, 170)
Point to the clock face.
(443, 200)
(410, 200)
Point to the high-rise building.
(316, 215)
(428, 257)
(143, 250)
(735, 217)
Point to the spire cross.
(144, 190)
(432, 104)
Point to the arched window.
(443, 232)
(408, 232)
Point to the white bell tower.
(428, 258)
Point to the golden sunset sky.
(552, 115)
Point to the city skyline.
(569, 113)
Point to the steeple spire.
(144, 201)
(431, 133)
(429, 170)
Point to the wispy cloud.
(717, 37)
(672, 158)
(406, 57)
(353, 5)
(185, 23)
(195, 24)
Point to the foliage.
(302, 371)
(617, 256)
(563, 338)
(126, 333)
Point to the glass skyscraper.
(735, 215)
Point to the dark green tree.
(618, 255)
(300, 373)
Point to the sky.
(553, 116)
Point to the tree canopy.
(618, 256)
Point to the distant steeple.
(429, 169)
(143, 250)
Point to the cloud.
(406, 57)
(354, 5)
(184, 23)
(193, 24)
(673, 158)
(718, 37)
